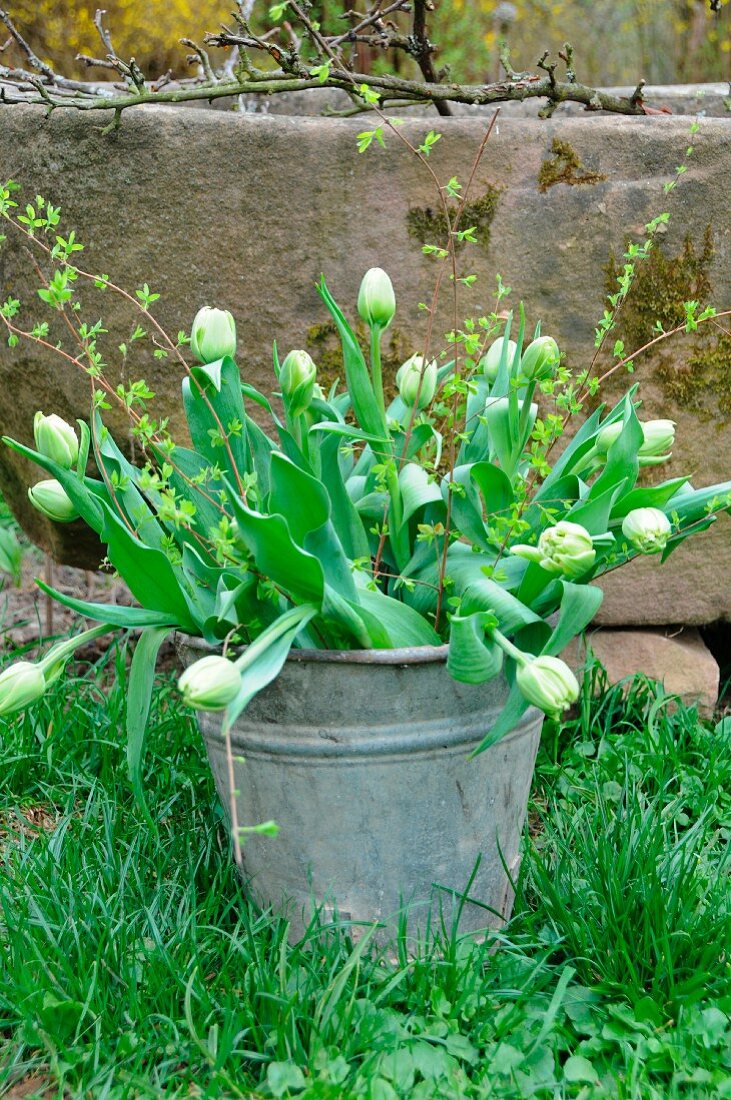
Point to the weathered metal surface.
(364, 765)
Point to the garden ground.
(132, 965)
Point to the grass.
(133, 965)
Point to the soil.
(29, 619)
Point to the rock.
(679, 659)
(200, 205)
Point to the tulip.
(297, 380)
(567, 548)
(210, 683)
(20, 685)
(490, 362)
(56, 439)
(417, 383)
(548, 683)
(647, 529)
(540, 357)
(608, 435)
(376, 299)
(658, 439)
(50, 498)
(213, 335)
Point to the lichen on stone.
(564, 166)
(693, 370)
(429, 226)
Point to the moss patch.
(694, 371)
(429, 226)
(564, 166)
(323, 344)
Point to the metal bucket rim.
(407, 655)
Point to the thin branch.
(239, 78)
(422, 51)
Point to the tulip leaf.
(192, 478)
(417, 489)
(466, 507)
(262, 661)
(622, 464)
(652, 496)
(473, 658)
(139, 695)
(350, 432)
(115, 614)
(402, 625)
(363, 396)
(484, 594)
(214, 409)
(494, 485)
(514, 709)
(594, 512)
(475, 448)
(579, 604)
(277, 555)
(348, 523)
(150, 576)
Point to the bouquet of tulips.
(357, 522)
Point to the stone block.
(679, 659)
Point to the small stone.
(678, 659)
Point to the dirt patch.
(28, 616)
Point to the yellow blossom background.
(617, 41)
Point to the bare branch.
(40, 85)
(422, 50)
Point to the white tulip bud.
(376, 299)
(56, 439)
(657, 443)
(213, 335)
(490, 362)
(297, 380)
(608, 435)
(210, 683)
(20, 685)
(548, 683)
(540, 358)
(567, 548)
(50, 498)
(647, 530)
(417, 383)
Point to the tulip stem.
(518, 655)
(376, 372)
(62, 650)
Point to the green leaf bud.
(20, 685)
(56, 439)
(376, 299)
(548, 683)
(213, 335)
(50, 498)
(210, 683)
(647, 530)
(417, 383)
(540, 358)
(297, 380)
(490, 362)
